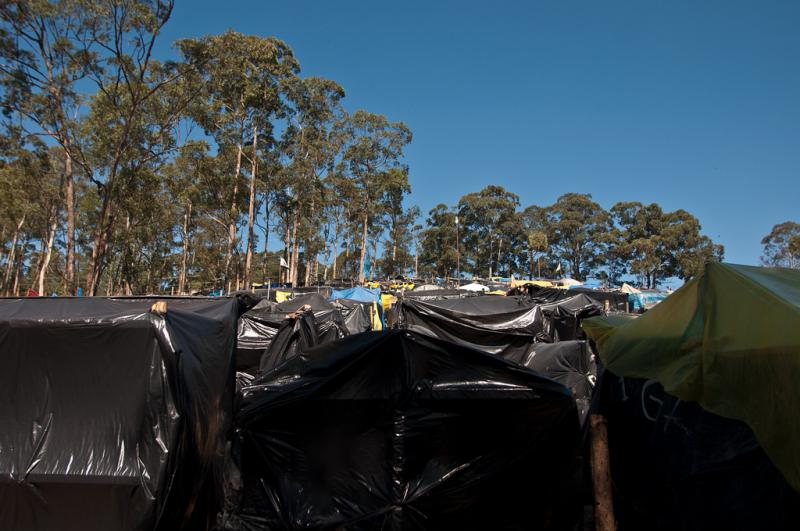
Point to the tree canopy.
(226, 167)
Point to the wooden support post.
(601, 475)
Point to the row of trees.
(574, 236)
(121, 173)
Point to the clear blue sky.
(691, 104)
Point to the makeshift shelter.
(297, 333)
(395, 430)
(502, 326)
(729, 339)
(675, 466)
(357, 315)
(438, 294)
(114, 412)
(570, 363)
(258, 326)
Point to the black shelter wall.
(403, 431)
(113, 417)
(677, 467)
(258, 327)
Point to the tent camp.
(729, 340)
(393, 430)
(114, 413)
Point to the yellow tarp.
(281, 296)
(387, 300)
(729, 340)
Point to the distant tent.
(569, 282)
(426, 287)
(627, 288)
(729, 340)
(475, 287)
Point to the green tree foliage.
(438, 241)
(493, 234)
(782, 246)
(579, 229)
(120, 173)
(657, 245)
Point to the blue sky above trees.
(693, 105)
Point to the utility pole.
(458, 257)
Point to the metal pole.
(458, 258)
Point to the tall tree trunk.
(100, 242)
(499, 250)
(51, 237)
(187, 216)
(69, 200)
(266, 235)
(18, 267)
(285, 271)
(295, 252)
(361, 273)
(234, 217)
(307, 279)
(251, 214)
(12, 255)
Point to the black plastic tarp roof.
(503, 326)
(112, 416)
(258, 326)
(395, 430)
(570, 363)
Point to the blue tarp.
(358, 293)
(646, 299)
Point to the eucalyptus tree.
(313, 142)
(782, 246)
(46, 49)
(372, 162)
(245, 79)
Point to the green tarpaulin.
(729, 340)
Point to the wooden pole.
(601, 475)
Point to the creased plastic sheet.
(677, 467)
(356, 315)
(113, 417)
(296, 334)
(570, 363)
(565, 315)
(504, 326)
(394, 430)
(258, 327)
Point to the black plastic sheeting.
(356, 315)
(395, 430)
(503, 326)
(438, 294)
(617, 301)
(676, 466)
(565, 315)
(113, 417)
(570, 363)
(258, 327)
(295, 335)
